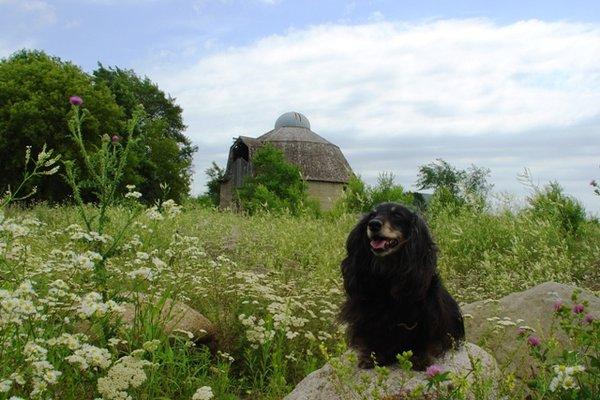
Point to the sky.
(513, 86)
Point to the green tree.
(34, 104)
(552, 204)
(215, 175)
(165, 153)
(276, 185)
(387, 190)
(360, 197)
(454, 186)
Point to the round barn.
(321, 162)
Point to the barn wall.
(327, 193)
(226, 192)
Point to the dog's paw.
(421, 362)
(366, 362)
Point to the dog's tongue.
(378, 244)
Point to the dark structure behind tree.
(321, 163)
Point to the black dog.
(395, 300)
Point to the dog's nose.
(375, 225)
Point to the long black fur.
(397, 302)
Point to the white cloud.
(383, 81)
(467, 77)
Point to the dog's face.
(387, 228)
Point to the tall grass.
(270, 283)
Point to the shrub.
(553, 205)
(455, 187)
(360, 197)
(276, 185)
(215, 175)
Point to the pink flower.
(589, 318)
(433, 370)
(558, 305)
(578, 308)
(76, 100)
(534, 341)
(116, 138)
(521, 331)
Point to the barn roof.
(317, 158)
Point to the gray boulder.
(347, 381)
(173, 317)
(176, 318)
(493, 324)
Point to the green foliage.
(387, 191)
(105, 168)
(456, 187)
(165, 156)
(276, 185)
(551, 204)
(360, 197)
(34, 93)
(571, 371)
(215, 175)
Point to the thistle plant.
(104, 167)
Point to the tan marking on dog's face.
(386, 231)
(389, 233)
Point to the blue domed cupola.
(292, 119)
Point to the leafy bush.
(453, 187)
(276, 185)
(360, 197)
(212, 197)
(551, 204)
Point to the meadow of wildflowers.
(269, 283)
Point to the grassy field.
(270, 283)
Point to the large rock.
(493, 324)
(347, 381)
(176, 318)
(173, 317)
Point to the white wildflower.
(203, 393)
(5, 385)
(144, 273)
(127, 372)
(90, 356)
(153, 214)
(133, 195)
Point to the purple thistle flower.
(116, 138)
(76, 100)
(521, 331)
(558, 305)
(534, 341)
(433, 370)
(589, 318)
(578, 308)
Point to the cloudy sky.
(396, 84)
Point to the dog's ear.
(421, 255)
(358, 255)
